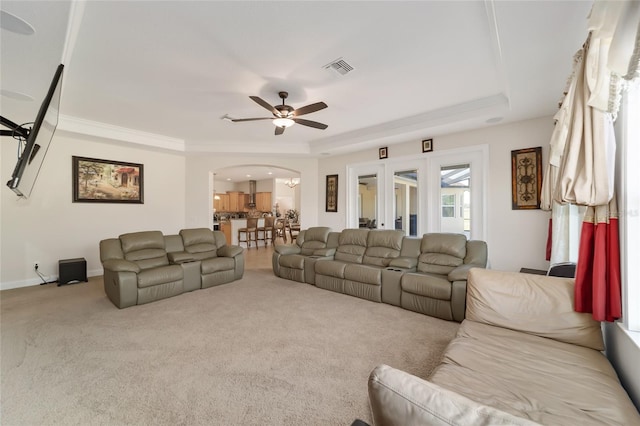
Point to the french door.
(442, 192)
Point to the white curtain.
(581, 168)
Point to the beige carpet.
(260, 351)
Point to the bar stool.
(267, 230)
(248, 231)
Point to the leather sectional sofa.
(522, 356)
(425, 275)
(142, 267)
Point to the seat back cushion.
(351, 245)
(441, 253)
(382, 246)
(146, 249)
(534, 304)
(312, 239)
(199, 240)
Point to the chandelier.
(292, 183)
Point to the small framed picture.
(427, 145)
(382, 152)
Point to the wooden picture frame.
(332, 194)
(526, 178)
(106, 181)
(427, 145)
(383, 153)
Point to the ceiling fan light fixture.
(283, 122)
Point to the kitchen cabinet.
(263, 201)
(221, 205)
(236, 201)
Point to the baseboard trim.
(38, 281)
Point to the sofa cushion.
(217, 264)
(352, 245)
(199, 240)
(159, 275)
(399, 398)
(309, 247)
(330, 268)
(382, 246)
(440, 253)
(428, 285)
(363, 273)
(142, 240)
(534, 304)
(295, 261)
(145, 248)
(537, 378)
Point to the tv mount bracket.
(17, 130)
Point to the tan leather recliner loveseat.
(142, 267)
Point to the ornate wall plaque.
(526, 178)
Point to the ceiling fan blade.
(236, 120)
(309, 109)
(310, 123)
(279, 130)
(264, 104)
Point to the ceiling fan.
(285, 116)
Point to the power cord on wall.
(44, 280)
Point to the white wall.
(49, 226)
(516, 238)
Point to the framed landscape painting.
(106, 181)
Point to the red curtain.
(597, 287)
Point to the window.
(455, 196)
(627, 137)
(448, 205)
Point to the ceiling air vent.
(340, 66)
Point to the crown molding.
(426, 123)
(102, 130)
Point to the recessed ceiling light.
(270, 173)
(14, 24)
(16, 95)
(248, 175)
(228, 178)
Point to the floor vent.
(340, 66)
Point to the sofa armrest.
(120, 265)
(399, 398)
(325, 252)
(462, 271)
(286, 249)
(404, 262)
(230, 251)
(178, 257)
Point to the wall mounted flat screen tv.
(38, 140)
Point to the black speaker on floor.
(72, 270)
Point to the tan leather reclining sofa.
(142, 267)
(426, 275)
(522, 356)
